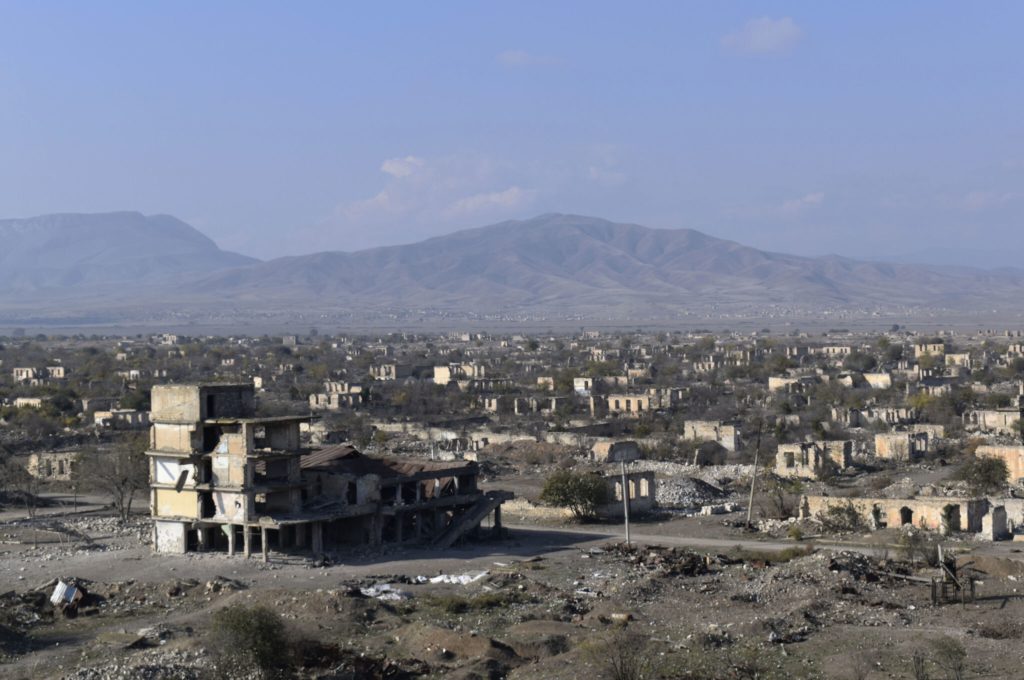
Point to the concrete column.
(318, 538)
(231, 540)
(376, 530)
(300, 535)
(263, 543)
(247, 543)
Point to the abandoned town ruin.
(687, 504)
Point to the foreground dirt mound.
(443, 645)
(538, 639)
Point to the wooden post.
(625, 499)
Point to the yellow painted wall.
(171, 503)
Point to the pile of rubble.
(664, 561)
(19, 612)
(57, 537)
(157, 665)
(686, 493)
(712, 474)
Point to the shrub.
(581, 493)
(950, 656)
(919, 546)
(984, 475)
(840, 518)
(621, 656)
(251, 638)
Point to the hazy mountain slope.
(67, 250)
(560, 266)
(567, 261)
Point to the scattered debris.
(66, 597)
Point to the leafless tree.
(16, 481)
(119, 473)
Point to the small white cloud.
(509, 198)
(524, 58)
(606, 175)
(764, 36)
(983, 200)
(401, 167)
(382, 202)
(795, 206)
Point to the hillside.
(569, 263)
(552, 266)
(54, 254)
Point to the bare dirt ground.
(550, 603)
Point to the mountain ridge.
(71, 249)
(554, 264)
(556, 258)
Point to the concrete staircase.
(471, 518)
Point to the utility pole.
(753, 477)
(625, 499)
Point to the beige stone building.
(622, 405)
(724, 434)
(121, 419)
(935, 349)
(54, 465)
(905, 446)
(812, 460)
(945, 514)
(390, 371)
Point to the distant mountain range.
(56, 253)
(556, 266)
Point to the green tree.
(858, 361)
(581, 493)
(983, 474)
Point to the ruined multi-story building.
(221, 478)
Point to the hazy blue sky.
(284, 128)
